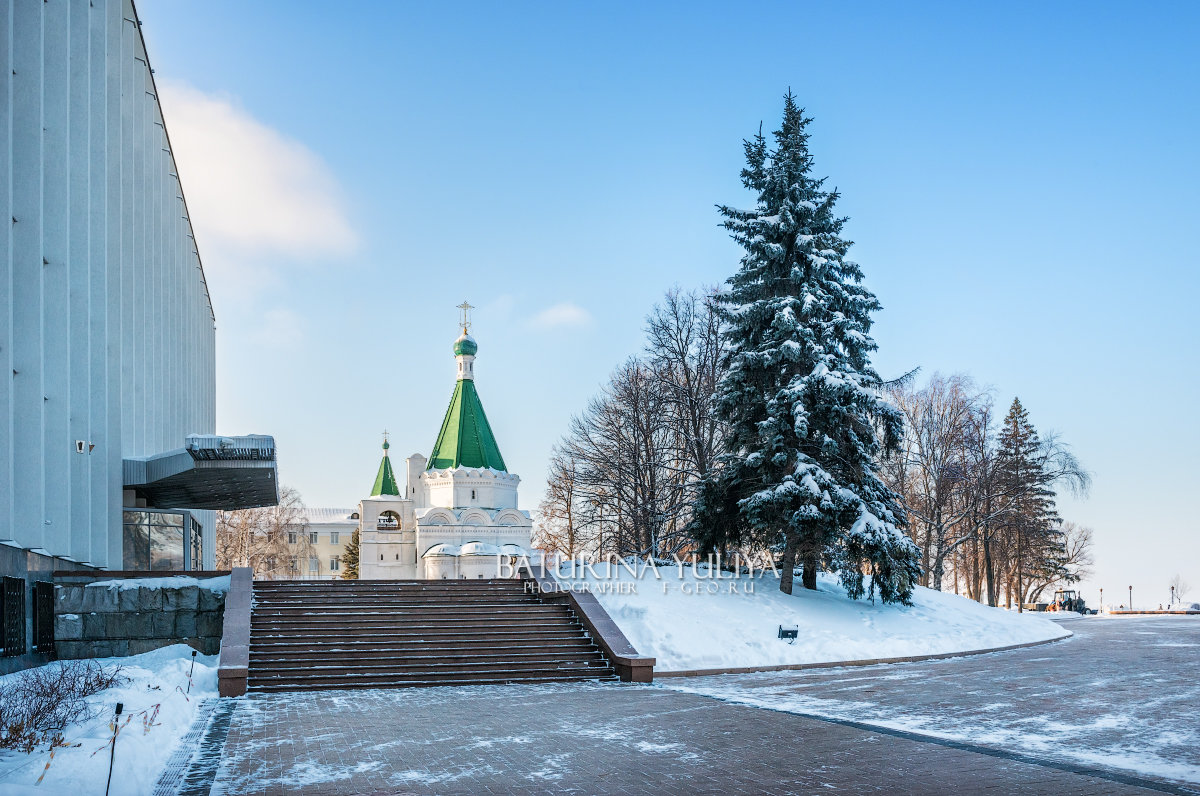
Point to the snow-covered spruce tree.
(803, 407)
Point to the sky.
(1020, 181)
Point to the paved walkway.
(624, 739)
(1122, 694)
(591, 739)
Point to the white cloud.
(251, 190)
(562, 315)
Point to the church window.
(472, 494)
(381, 556)
(333, 537)
(397, 556)
(355, 516)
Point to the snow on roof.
(320, 516)
(479, 549)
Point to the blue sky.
(1020, 180)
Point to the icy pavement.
(591, 738)
(1123, 694)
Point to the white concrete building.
(455, 515)
(108, 457)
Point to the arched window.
(388, 521)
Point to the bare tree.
(684, 346)
(932, 472)
(561, 526)
(1075, 564)
(1179, 587)
(271, 540)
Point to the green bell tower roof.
(466, 438)
(385, 481)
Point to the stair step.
(467, 609)
(432, 664)
(383, 644)
(354, 684)
(357, 661)
(435, 648)
(413, 625)
(448, 676)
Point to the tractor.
(1068, 600)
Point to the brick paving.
(591, 739)
(1122, 693)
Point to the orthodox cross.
(466, 316)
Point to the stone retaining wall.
(123, 617)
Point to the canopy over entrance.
(209, 472)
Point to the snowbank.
(218, 584)
(678, 621)
(157, 678)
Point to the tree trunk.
(989, 571)
(810, 571)
(788, 564)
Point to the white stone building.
(454, 515)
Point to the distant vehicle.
(1068, 600)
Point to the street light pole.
(1130, 598)
(1102, 601)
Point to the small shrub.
(37, 705)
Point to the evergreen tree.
(802, 404)
(350, 558)
(1036, 543)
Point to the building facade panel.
(106, 327)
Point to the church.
(454, 514)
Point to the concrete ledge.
(630, 666)
(866, 662)
(1150, 613)
(234, 666)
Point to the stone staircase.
(313, 635)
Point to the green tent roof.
(466, 439)
(385, 481)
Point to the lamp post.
(1130, 598)
(1172, 597)
(1102, 601)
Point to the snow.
(1120, 695)
(156, 679)
(217, 584)
(685, 626)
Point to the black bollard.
(190, 671)
(113, 752)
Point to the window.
(472, 494)
(355, 516)
(292, 538)
(335, 564)
(314, 565)
(312, 537)
(333, 537)
(292, 565)
(155, 540)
